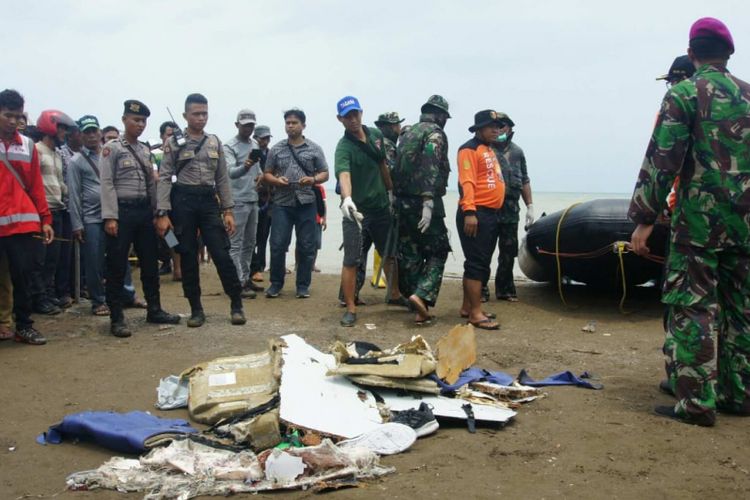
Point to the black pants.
(195, 208)
(135, 227)
(20, 249)
(478, 250)
(258, 264)
(64, 273)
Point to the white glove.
(529, 214)
(424, 222)
(349, 209)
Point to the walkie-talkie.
(179, 137)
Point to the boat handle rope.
(618, 247)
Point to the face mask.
(502, 137)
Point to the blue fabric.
(562, 378)
(474, 374)
(121, 432)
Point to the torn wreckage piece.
(186, 470)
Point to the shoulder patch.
(467, 164)
(106, 151)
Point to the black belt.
(192, 189)
(134, 202)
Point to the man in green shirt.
(366, 193)
(702, 134)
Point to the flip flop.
(484, 324)
(488, 314)
(425, 322)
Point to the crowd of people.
(75, 182)
(64, 181)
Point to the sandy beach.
(573, 443)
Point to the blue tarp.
(122, 432)
(474, 374)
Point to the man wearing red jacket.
(23, 211)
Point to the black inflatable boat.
(582, 241)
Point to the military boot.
(120, 329)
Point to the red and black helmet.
(49, 120)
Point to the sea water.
(330, 257)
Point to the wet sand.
(573, 443)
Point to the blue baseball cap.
(346, 104)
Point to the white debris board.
(311, 400)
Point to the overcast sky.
(577, 77)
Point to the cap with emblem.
(262, 131)
(437, 101)
(710, 27)
(389, 118)
(133, 107)
(246, 116)
(680, 69)
(486, 117)
(87, 122)
(347, 104)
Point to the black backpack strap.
(93, 165)
(297, 160)
(183, 163)
(145, 170)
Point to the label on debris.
(222, 379)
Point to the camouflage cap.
(390, 117)
(439, 102)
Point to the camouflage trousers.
(707, 346)
(507, 247)
(421, 256)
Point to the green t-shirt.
(368, 188)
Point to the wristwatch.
(162, 213)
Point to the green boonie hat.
(390, 117)
(439, 102)
(505, 118)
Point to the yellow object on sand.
(375, 267)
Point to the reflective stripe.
(12, 219)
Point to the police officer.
(128, 197)
(191, 205)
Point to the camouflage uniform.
(422, 170)
(390, 118)
(513, 167)
(703, 135)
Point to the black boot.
(120, 329)
(237, 314)
(160, 316)
(197, 318)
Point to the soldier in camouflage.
(702, 134)
(419, 180)
(390, 125)
(517, 186)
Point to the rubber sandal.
(488, 314)
(425, 322)
(101, 310)
(484, 324)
